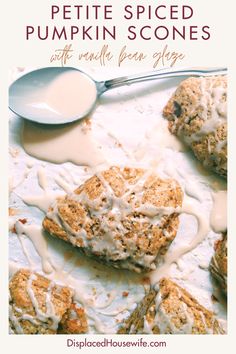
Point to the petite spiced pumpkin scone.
(170, 309)
(122, 216)
(197, 113)
(39, 306)
(219, 261)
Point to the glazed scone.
(219, 261)
(170, 309)
(37, 305)
(197, 113)
(123, 216)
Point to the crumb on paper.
(86, 126)
(23, 221)
(88, 122)
(117, 143)
(125, 293)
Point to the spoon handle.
(158, 74)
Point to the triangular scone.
(170, 309)
(197, 113)
(39, 306)
(123, 216)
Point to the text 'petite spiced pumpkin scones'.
(197, 113)
(38, 306)
(125, 217)
(170, 309)
(219, 261)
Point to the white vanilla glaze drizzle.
(42, 178)
(36, 235)
(218, 216)
(147, 327)
(58, 144)
(113, 313)
(13, 186)
(97, 324)
(191, 185)
(15, 321)
(108, 302)
(63, 184)
(50, 311)
(44, 200)
(66, 175)
(174, 256)
(63, 277)
(24, 250)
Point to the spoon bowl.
(52, 95)
(59, 95)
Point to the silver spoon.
(27, 90)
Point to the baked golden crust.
(197, 114)
(219, 262)
(125, 217)
(170, 310)
(37, 305)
